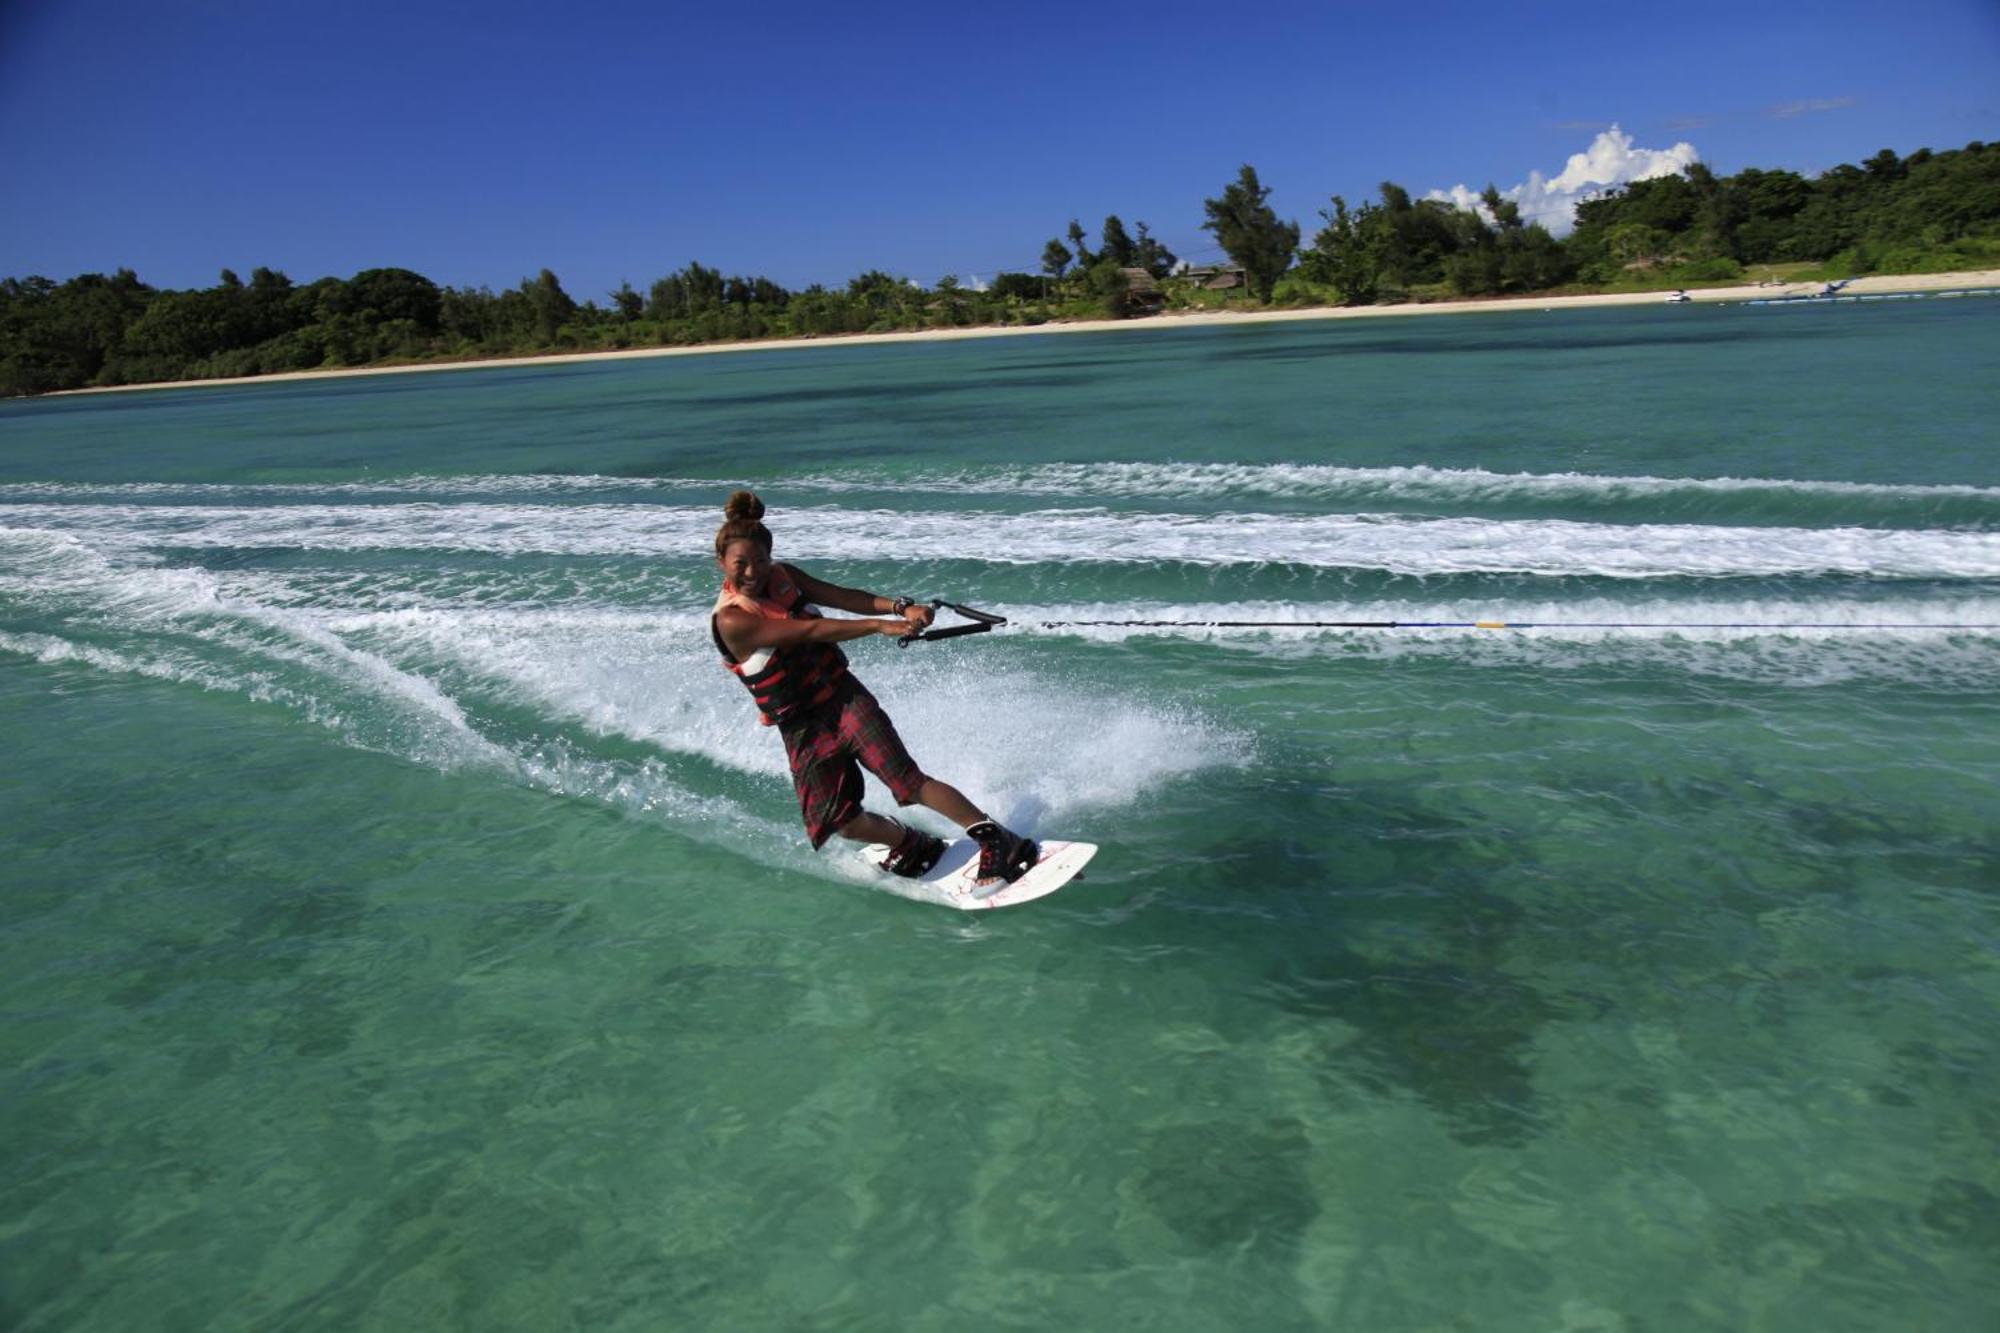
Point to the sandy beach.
(1876, 285)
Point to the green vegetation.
(1928, 212)
(1250, 233)
(1100, 274)
(94, 330)
(1392, 250)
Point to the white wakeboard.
(951, 881)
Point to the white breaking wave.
(1106, 480)
(51, 650)
(653, 677)
(186, 627)
(529, 483)
(643, 788)
(1585, 618)
(1387, 543)
(1317, 481)
(179, 612)
(422, 682)
(1952, 641)
(649, 676)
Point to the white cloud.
(1610, 160)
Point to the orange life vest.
(789, 683)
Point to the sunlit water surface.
(407, 927)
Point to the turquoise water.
(406, 926)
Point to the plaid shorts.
(830, 746)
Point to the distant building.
(1216, 277)
(1142, 292)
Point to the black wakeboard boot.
(1002, 855)
(915, 854)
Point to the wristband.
(900, 605)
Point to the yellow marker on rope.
(1489, 624)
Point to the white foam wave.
(1393, 544)
(175, 625)
(1312, 481)
(1102, 480)
(1952, 642)
(1030, 750)
(1582, 618)
(1029, 747)
(644, 788)
(471, 484)
(177, 610)
(495, 587)
(51, 650)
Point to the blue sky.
(479, 143)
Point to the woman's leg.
(881, 751)
(866, 827)
(948, 801)
(942, 797)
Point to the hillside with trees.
(1928, 212)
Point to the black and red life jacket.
(789, 682)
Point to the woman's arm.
(853, 599)
(745, 634)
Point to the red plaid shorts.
(830, 746)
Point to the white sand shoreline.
(1876, 285)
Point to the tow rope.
(1498, 624)
(979, 622)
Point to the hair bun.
(743, 505)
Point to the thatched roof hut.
(1142, 290)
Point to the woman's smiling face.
(746, 563)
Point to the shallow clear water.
(406, 926)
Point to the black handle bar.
(978, 623)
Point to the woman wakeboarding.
(771, 635)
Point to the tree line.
(1924, 212)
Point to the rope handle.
(978, 623)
